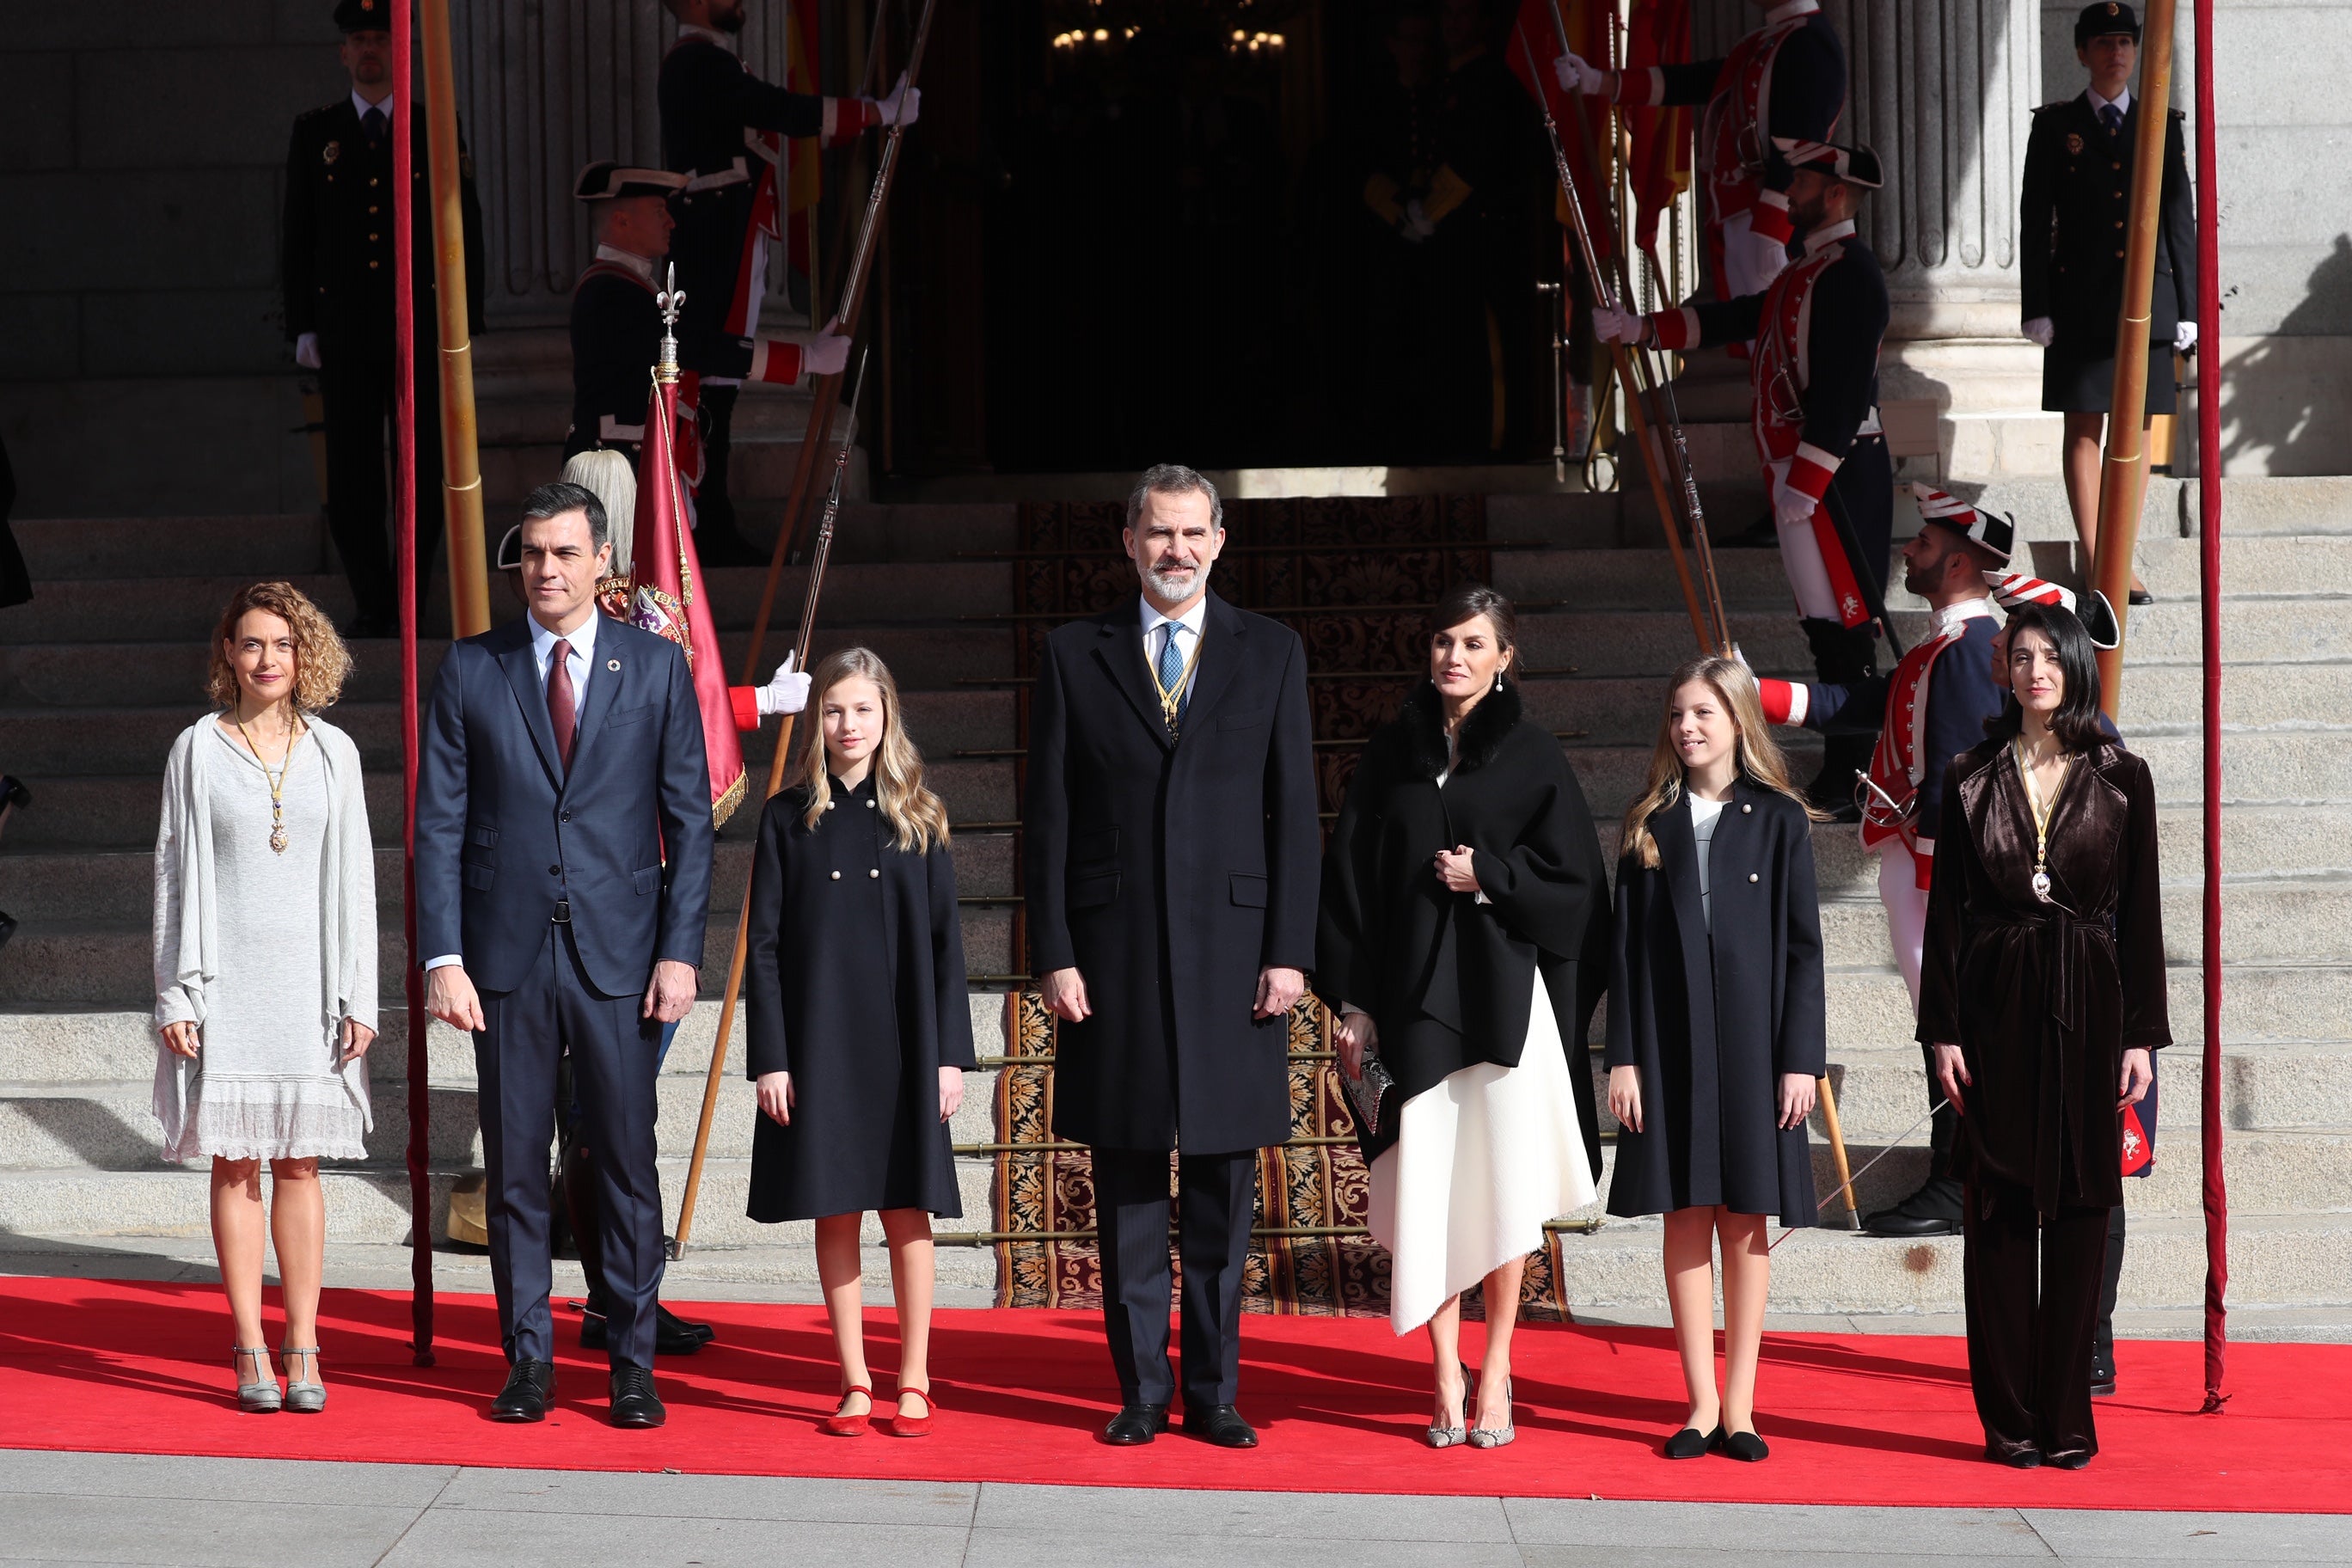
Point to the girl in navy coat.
(860, 1031)
(1716, 1028)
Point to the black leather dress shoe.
(2069, 1459)
(531, 1386)
(634, 1402)
(1933, 1210)
(1221, 1425)
(2016, 1456)
(1136, 1425)
(673, 1335)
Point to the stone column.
(1944, 89)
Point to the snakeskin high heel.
(261, 1397)
(1496, 1436)
(305, 1396)
(1454, 1437)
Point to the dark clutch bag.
(1373, 1095)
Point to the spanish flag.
(669, 595)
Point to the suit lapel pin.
(613, 664)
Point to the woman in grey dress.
(266, 964)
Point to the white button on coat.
(874, 872)
(836, 876)
(1751, 875)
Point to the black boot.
(2103, 1334)
(1933, 1210)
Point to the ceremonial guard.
(337, 270)
(1783, 82)
(1815, 377)
(2075, 200)
(724, 130)
(616, 323)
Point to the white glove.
(2042, 330)
(787, 690)
(826, 354)
(2184, 338)
(1417, 225)
(1611, 325)
(1791, 507)
(904, 105)
(306, 350)
(1576, 76)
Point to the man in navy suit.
(563, 883)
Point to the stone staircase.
(104, 667)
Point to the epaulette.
(308, 115)
(2046, 108)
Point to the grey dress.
(266, 952)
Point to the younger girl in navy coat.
(860, 1032)
(1716, 1028)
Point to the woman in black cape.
(860, 1032)
(1459, 946)
(1716, 1028)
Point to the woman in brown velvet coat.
(2043, 991)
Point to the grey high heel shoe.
(1496, 1436)
(260, 1398)
(304, 1396)
(1453, 1437)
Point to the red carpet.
(133, 1367)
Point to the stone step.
(2290, 505)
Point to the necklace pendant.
(278, 838)
(2042, 884)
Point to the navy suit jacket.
(502, 832)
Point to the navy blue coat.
(502, 832)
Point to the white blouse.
(1702, 815)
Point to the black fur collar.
(1483, 733)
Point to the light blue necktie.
(1172, 667)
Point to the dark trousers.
(1215, 1198)
(1864, 484)
(614, 1056)
(356, 392)
(2029, 1348)
(575, 1177)
(714, 505)
(1943, 1126)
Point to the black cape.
(1713, 1022)
(1449, 981)
(856, 983)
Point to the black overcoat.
(2045, 999)
(1714, 1021)
(856, 983)
(1395, 942)
(1169, 873)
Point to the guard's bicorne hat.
(2011, 589)
(1856, 165)
(1987, 529)
(607, 181)
(2104, 16)
(510, 557)
(363, 16)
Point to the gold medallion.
(2073, 143)
(331, 152)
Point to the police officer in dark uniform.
(2076, 201)
(616, 325)
(723, 128)
(337, 271)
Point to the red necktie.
(561, 709)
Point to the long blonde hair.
(1755, 753)
(915, 815)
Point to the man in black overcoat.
(337, 271)
(1172, 851)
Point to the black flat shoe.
(1221, 1425)
(2070, 1459)
(14, 793)
(1744, 1446)
(2137, 596)
(1136, 1425)
(634, 1402)
(2016, 1456)
(531, 1386)
(1690, 1443)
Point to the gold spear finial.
(669, 302)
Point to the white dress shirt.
(2122, 101)
(583, 638)
(642, 266)
(360, 106)
(1189, 633)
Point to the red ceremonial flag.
(667, 594)
(1537, 29)
(1660, 163)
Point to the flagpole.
(775, 781)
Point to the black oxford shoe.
(1136, 1425)
(1221, 1425)
(634, 1402)
(673, 1335)
(530, 1385)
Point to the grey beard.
(1170, 585)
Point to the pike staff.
(775, 781)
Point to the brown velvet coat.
(2043, 998)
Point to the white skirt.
(1481, 1162)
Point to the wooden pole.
(850, 310)
(1837, 1148)
(2121, 477)
(461, 467)
(716, 1074)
